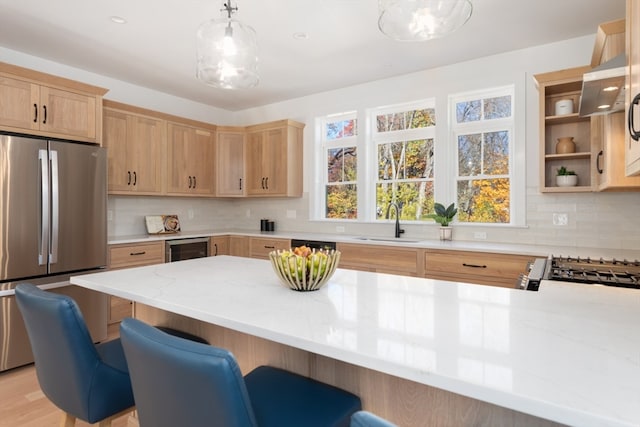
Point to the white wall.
(595, 219)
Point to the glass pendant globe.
(227, 54)
(420, 20)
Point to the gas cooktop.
(611, 272)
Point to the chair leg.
(67, 420)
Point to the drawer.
(133, 255)
(260, 247)
(382, 259)
(475, 267)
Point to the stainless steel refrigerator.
(53, 197)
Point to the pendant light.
(420, 20)
(227, 52)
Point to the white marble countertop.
(477, 246)
(569, 353)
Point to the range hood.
(603, 88)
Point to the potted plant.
(444, 216)
(566, 178)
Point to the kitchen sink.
(387, 239)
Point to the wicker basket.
(304, 273)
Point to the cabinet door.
(67, 113)
(381, 259)
(219, 245)
(146, 147)
(260, 247)
(633, 56)
(267, 162)
(239, 246)
(230, 180)
(19, 106)
(190, 160)
(114, 138)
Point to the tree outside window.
(341, 190)
(484, 134)
(405, 156)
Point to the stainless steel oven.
(183, 249)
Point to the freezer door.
(78, 207)
(23, 246)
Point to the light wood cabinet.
(381, 259)
(259, 247)
(219, 245)
(136, 146)
(632, 47)
(41, 104)
(553, 87)
(230, 162)
(274, 159)
(239, 246)
(131, 255)
(482, 268)
(190, 157)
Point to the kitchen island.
(418, 351)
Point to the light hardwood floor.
(22, 403)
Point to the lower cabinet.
(381, 259)
(239, 246)
(475, 267)
(260, 247)
(131, 255)
(219, 245)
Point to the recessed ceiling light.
(118, 20)
(300, 36)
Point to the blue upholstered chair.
(367, 419)
(177, 382)
(87, 381)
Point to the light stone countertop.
(569, 353)
(477, 246)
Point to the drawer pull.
(269, 247)
(464, 264)
(137, 253)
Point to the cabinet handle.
(135, 178)
(128, 177)
(44, 122)
(263, 182)
(598, 167)
(269, 247)
(266, 183)
(215, 247)
(189, 181)
(464, 264)
(635, 135)
(240, 183)
(137, 253)
(194, 182)
(35, 113)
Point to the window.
(339, 136)
(483, 133)
(403, 138)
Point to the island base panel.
(404, 402)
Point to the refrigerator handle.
(55, 208)
(44, 207)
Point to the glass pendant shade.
(419, 20)
(227, 54)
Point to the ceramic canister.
(564, 106)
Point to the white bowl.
(304, 273)
(567, 180)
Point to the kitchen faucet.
(397, 209)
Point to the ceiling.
(343, 47)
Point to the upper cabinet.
(559, 93)
(632, 95)
(50, 106)
(230, 162)
(274, 159)
(136, 145)
(190, 160)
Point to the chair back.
(178, 382)
(367, 419)
(68, 365)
